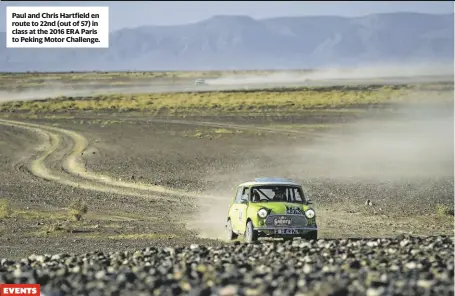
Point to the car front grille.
(288, 221)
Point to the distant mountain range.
(241, 42)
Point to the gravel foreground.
(389, 266)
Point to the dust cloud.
(56, 90)
(209, 220)
(415, 142)
(401, 158)
(387, 73)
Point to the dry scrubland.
(140, 232)
(240, 101)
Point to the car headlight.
(310, 213)
(262, 213)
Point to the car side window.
(239, 195)
(247, 192)
(297, 195)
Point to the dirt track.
(140, 176)
(165, 181)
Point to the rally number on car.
(240, 215)
(293, 211)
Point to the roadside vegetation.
(78, 209)
(70, 221)
(50, 221)
(240, 101)
(444, 210)
(5, 209)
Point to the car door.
(242, 209)
(234, 210)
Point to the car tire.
(229, 233)
(313, 235)
(250, 235)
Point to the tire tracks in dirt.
(55, 139)
(73, 171)
(58, 160)
(313, 134)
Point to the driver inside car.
(279, 195)
(255, 196)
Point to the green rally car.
(271, 207)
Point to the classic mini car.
(271, 207)
(199, 81)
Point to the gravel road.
(389, 266)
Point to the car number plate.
(286, 231)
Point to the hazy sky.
(137, 13)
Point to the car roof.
(270, 181)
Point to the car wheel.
(250, 234)
(311, 236)
(229, 233)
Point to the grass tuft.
(444, 210)
(5, 209)
(78, 209)
(53, 227)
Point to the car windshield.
(283, 193)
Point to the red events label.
(19, 289)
